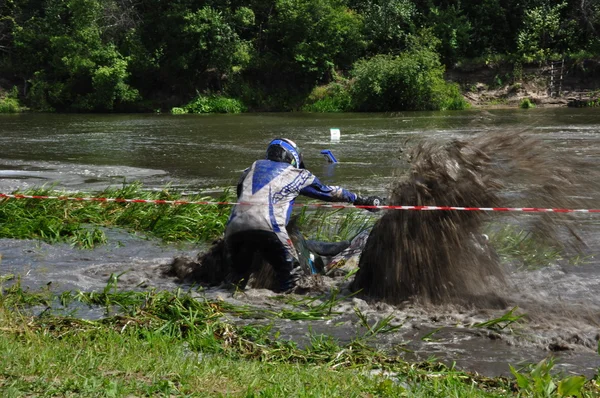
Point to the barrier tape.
(327, 205)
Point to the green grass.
(80, 222)
(523, 248)
(502, 322)
(170, 343)
(334, 225)
(526, 103)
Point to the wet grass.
(502, 322)
(180, 344)
(523, 248)
(334, 225)
(80, 223)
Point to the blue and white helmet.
(285, 150)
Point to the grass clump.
(526, 103)
(178, 111)
(214, 104)
(523, 248)
(334, 225)
(537, 381)
(80, 223)
(502, 322)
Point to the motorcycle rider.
(265, 194)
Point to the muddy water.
(206, 153)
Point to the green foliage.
(334, 97)
(526, 103)
(502, 322)
(388, 24)
(178, 111)
(542, 29)
(538, 382)
(214, 43)
(411, 81)
(526, 249)
(70, 64)
(10, 103)
(116, 55)
(453, 29)
(315, 36)
(79, 222)
(214, 104)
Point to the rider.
(266, 192)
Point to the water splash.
(442, 256)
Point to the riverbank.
(163, 343)
(550, 85)
(482, 86)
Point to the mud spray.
(442, 256)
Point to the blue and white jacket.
(266, 193)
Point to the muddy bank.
(552, 84)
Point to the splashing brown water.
(442, 256)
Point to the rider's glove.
(369, 201)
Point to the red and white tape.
(327, 205)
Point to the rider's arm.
(318, 190)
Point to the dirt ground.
(493, 86)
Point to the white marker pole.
(335, 134)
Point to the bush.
(526, 103)
(214, 104)
(178, 111)
(333, 97)
(10, 104)
(413, 80)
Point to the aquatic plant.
(502, 322)
(334, 225)
(524, 248)
(80, 222)
(381, 326)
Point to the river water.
(88, 153)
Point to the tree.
(214, 45)
(541, 32)
(68, 62)
(388, 24)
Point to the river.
(199, 153)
